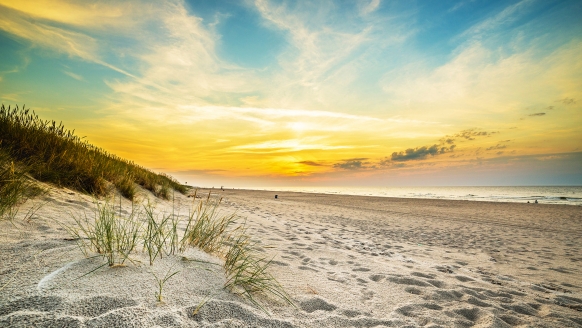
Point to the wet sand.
(346, 261)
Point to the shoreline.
(349, 191)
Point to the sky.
(269, 93)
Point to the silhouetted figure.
(536, 201)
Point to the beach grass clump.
(54, 154)
(12, 188)
(15, 187)
(159, 235)
(206, 227)
(214, 232)
(246, 270)
(112, 236)
(125, 186)
(115, 237)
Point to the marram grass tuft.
(116, 236)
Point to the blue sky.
(263, 92)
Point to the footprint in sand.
(408, 281)
(413, 290)
(361, 269)
(464, 279)
(377, 277)
(423, 275)
(302, 267)
(414, 310)
(316, 304)
(367, 295)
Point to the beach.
(345, 261)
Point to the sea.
(566, 195)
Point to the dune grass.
(111, 235)
(160, 236)
(161, 282)
(54, 154)
(207, 228)
(116, 236)
(247, 271)
(15, 188)
(32, 148)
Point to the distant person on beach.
(536, 201)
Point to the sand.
(346, 261)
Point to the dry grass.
(246, 271)
(111, 235)
(15, 189)
(115, 237)
(54, 154)
(32, 148)
(206, 227)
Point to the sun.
(297, 126)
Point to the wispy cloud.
(318, 48)
(21, 19)
(413, 154)
(93, 14)
(44, 35)
(486, 84)
(367, 8)
(291, 145)
(74, 76)
(469, 134)
(508, 15)
(329, 51)
(567, 101)
(311, 163)
(352, 164)
(498, 146)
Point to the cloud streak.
(352, 164)
(420, 153)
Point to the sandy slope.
(346, 261)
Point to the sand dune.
(346, 261)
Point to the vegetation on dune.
(51, 153)
(116, 236)
(108, 234)
(32, 148)
(246, 271)
(15, 188)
